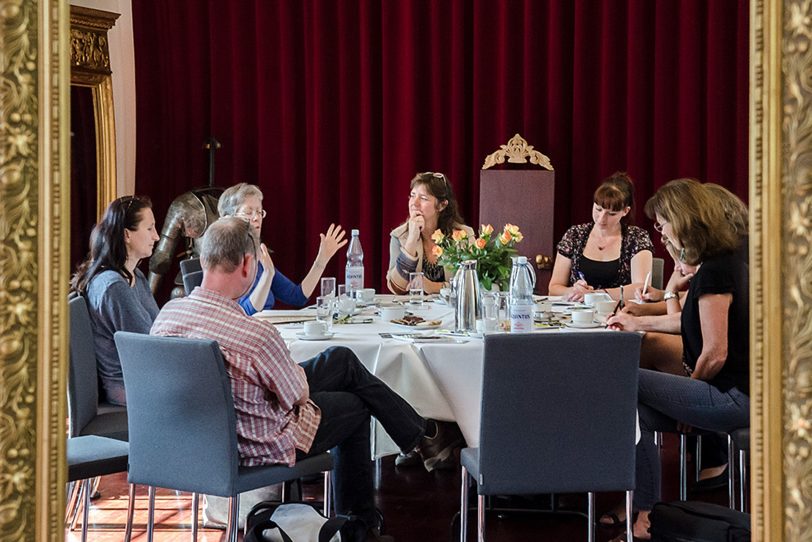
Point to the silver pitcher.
(467, 301)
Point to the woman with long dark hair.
(432, 206)
(117, 292)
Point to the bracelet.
(670, 295)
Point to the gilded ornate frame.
(34, 225)
(90, 67)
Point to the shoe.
(714, 482)
(412, 459)
(612, 520)
(440, 446)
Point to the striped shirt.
(265, 381)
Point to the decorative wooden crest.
(517, 151)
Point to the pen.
(581, 276)
(646, 282)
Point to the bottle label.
(354, 278)
(521, 318)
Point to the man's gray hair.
(234, 196)
(225, 243)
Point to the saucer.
(324, 337)
(590, 325)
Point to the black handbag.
(260, 523)
(687, 521)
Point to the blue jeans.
(348, 394)
(665, 399)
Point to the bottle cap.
(354, 232)
(521, 260)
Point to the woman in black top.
(714, 324)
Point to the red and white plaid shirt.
(265, 381)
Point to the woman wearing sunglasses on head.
(432, 206)
(245, 201)
(117, 292)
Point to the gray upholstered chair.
(191, 280)
(183, 432)
(190, 266)
(87, 415)
(558, 416)
(657, 266)
(90, 456)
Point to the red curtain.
(331, 107)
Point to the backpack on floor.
(293, 522)
(687, 521)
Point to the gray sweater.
(115, 306)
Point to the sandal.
(614, 520)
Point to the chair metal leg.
(233, 518)
(128, 530)
(151, 513)
(74, 491)
(698, 458)
(658, 439)
(480, 512)
(629, 516)
(731, 473)
(328, 492)
(86, 512)
(195, 507)
(80, 499)
(742, 481)
(591, 516)
(683, 467)
(464, 505)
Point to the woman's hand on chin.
(416, 225)
(331, 241)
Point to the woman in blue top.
(245, 201)
(117, 293)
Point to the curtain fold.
(332, 107)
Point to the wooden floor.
(418, 506)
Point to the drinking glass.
(416, 288)
(324, 310)
(328, 286)
(490, 313)
(342, 290)
(503, 309)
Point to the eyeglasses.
(251, 215)
(659, 227)
(436, 175)
(130, 200)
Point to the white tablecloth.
(441, 381)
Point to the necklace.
(606, 242)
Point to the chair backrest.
(83, 376)
(657, 265)
(190, 280)
(181, 413)
(190, 266)
(558, 412)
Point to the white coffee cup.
(591, 299)
(315, 328)
(365, 295)
(605, 307)
(392, 312)
(583, 316)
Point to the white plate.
(324, 337)
(591, 325)
(420, 326)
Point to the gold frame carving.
(517, 151)
(34, 227)
(90, 67)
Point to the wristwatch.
(670, 295)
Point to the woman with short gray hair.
(244, 201)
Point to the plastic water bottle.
(521, 297)
(354, 274)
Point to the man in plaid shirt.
(286, 411)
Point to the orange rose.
(437, 236)
(486, 229)
(480, 243)
(505, 237)
(437, 251)
(459, 235)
